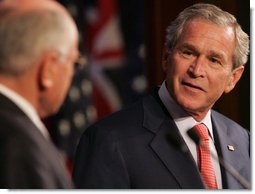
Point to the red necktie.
(204, 159)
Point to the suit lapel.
(181, 165)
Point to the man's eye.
(214, 60)
(187, 53)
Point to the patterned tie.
(204, 159)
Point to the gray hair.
(217, 16)
(25, 37)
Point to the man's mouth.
(192, 86)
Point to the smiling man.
(201, 66)
(147, 145)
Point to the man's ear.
(165, 56)
(235, 77)
(47, 70)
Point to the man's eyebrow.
(193, 48)
(188, 46)
(217, 55)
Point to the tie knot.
(202, 131)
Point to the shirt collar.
(26, 107)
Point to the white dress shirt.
(26, 107)
(185, 122)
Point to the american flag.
(112, 38)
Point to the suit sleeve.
(99, 163)
(21, 167)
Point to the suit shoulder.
(18, 131)
(127, 121)
(125, 116)
(9, 125)
(229, 122)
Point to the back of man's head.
(28, 28)
(39, 41)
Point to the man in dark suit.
(39, 45)
(147, 145)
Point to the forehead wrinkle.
(189, 34)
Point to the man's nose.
(197, 67)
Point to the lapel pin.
(231, 148)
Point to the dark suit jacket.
(131, 149)
(27, 159)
